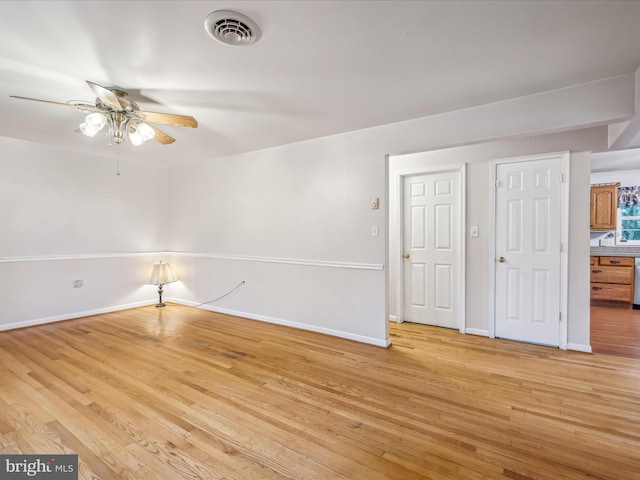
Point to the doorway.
(430, 276)
(529, 267)
(615, 327)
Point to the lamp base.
(160, 302)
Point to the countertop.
(615, 251)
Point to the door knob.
(501, 259)
(406, 255)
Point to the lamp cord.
(222, 296)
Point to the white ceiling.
(320, 68)
(615, 161)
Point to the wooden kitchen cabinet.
(604, 206)
(612, 279)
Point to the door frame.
(564, 157)
(400, 176)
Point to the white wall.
(478, 158)
(67, 217)
(579, 314)
(309, 202)
(337, 300)
(293, 221)
(627, 178)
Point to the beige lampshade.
(161, 274)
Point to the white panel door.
(432, 213)
(528, 239)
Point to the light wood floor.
(615, 331)
(181, 393)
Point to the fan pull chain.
(118, 160)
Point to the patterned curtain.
(629, 205)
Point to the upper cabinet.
(604, 206)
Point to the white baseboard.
(393, 318)
(72, 316)
(262, 318)
(287, 323)
(477, 331)
(579, 347)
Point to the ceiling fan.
(122, 117)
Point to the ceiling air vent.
(232, 28)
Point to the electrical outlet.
(78, 283)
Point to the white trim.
(491, 268)
(564, 239)
(399, 241)
(578, 347)
(399, 179)
(287, 323)
(73, 316)
(87, 256)
(287, 261)
(477, 331)
(400, 174)
(564, 253)
(393, 318)
(462, 273)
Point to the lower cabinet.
(612, 279)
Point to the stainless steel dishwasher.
(636, 283)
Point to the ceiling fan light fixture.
(87, 130)
(93, 123)
(122, 117)
(96, 119)
(146, 131)
(139, 133)
(232, 28)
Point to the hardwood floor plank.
(185, 393)
(615, 331)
